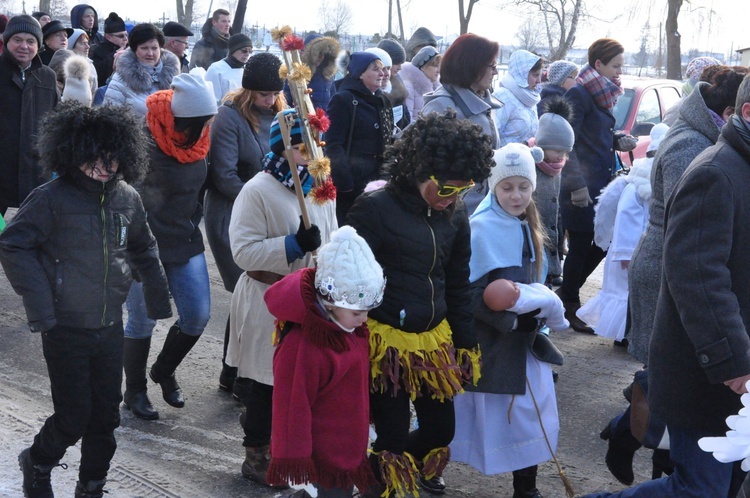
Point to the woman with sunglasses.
(226, 75)
(422, 343)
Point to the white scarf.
(529, 98)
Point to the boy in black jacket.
(68, 253)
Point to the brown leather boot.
(255, 466)
(576, 323)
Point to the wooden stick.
(286, 121)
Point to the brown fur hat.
(323, 50)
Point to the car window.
(669, 97)
(648, 108)
(621, 108)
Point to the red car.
(641, 107)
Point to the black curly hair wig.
(73, 135)
(443, 146)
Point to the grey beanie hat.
(555, 133)
(425, 55)
(559, 71)
(394, 49)
(192, 97)
(23, 24)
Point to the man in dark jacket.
(699, 359)
(213, 46)
(103, 55)
(84, 17)
(68, 253)
(176, 41)
(28, 90)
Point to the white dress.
(607, 311)
(498, 433)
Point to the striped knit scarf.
(160, 122)
(604, 91)
(278, 167)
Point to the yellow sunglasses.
(450, 190)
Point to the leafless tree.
(674, 64)
(336, 17)
(529, 35)
(58, 9)
(43, 6)
(464, 16)
(185, 13)
(560, 20)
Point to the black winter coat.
(700, 337)
(54, 257)
(209, 49)
(365, 138)
(103, 57)
(22, 107)
(592, 162)
(425, 258)
(170, 194)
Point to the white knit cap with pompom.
(515, 160)
(77, 86)
(348, 276)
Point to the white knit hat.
(382, 55)
(348, 276)
(193, 97)
(77, 85)
(515, 160)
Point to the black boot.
(91, 489)
(36, 476)
(524, 483)
(662, 464)
(620, 452)
(176, 346)
(135, 357)
(576, 323)
(228, 374)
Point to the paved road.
(196, 451)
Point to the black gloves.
(527, 321)
(307, 238)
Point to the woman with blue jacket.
(591, 166)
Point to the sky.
(713, 25)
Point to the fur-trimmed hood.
(326, 47)
(135, 75)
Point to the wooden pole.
(286, 122)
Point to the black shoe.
(170, 389)
(434, 486)
(621, 344)
(662, 464)
(555, 376)
(620, 452)
(240, 387)
(534, 493)
(570, 315)
(227, 378)
(556, 281)
(37, 481)
(140, 405)
(92, 489)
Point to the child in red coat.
(321, 368)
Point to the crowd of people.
(426, 287)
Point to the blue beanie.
(276, 141)
(359, 62)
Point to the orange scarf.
(160, 122)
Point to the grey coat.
(236, 156)
(547, 200)
(700, 337)
(692, 133)
(468, 105)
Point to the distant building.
(744, 56)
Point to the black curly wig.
(73, 135)
(443, 146)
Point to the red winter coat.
(320, 399)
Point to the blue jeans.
(191, 292)
(696, 473)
